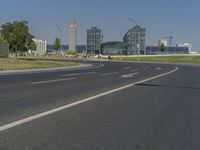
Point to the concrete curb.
(27, 71)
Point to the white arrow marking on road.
(129, 75)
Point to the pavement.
(109, 105)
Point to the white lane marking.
(145, 68)
(108, 74)
(41, 115)
(78, 74)
(126, 68)
(51, 81)
(134, 70)
(129, 75)
(158, 68)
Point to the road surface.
(108, 106)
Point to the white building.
(162, 41)
(186, 45)
(41, 46)
(72, 35)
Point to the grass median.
(165, 59)
(18, 64)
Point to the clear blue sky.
(160, 17)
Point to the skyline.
(159, 17)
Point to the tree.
(32, 46)
(162, 48)
(57, 44)
(18, 36)
(3, 41)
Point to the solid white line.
(78, 74)
(41, 115)
(51, 81)
(134, 70)
(126, 68)
(111, 73)
(147, 68)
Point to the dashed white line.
(129, 75)
(41, 115)
(108, 74)
(134, 70)
(158, 68)
(51, 81)
(78, 74)
(126, 68)
(145, 68)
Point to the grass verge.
(18, 64)
(165, 59)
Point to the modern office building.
(41, 46)
(135, 39)
(170, 50)
(94, 40)
(188, 45)
(114, 48)
(72, 28)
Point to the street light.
(138, 44)
(59, 29)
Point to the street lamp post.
(138, 43)
(59, 29)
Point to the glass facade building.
(114, 48)
(135, 38)
(155, 50)
(94, 40)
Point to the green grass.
(15, 64)
(166, 59)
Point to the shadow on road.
(169, 86)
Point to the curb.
(27, 71)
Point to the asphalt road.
(114, 106)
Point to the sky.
(179, 18)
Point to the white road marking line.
(129, 75)
(78, 74)
(51, 81)
(126, 68)
(145, 68)
(111, 73)
(158, 68)
(134, 70)
(41, 115)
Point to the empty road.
(108, 106)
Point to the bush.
(72, 52)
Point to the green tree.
(162, 48)
(3, 41)
(18, 36)
(32, 46)
(57, 44)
